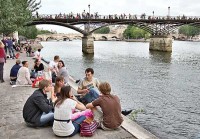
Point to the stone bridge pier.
(160, 43)
(88, 44)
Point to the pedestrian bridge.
(158, 26)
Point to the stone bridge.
(78, 36)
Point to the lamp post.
(89, 9)
(89, 18)
(153, 14)
(169, 11)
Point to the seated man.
(38, 111)
(53, 67)
(88, 87)
(37, 54)
(14, 71)
(23, 76)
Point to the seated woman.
(62, 71)
(23, 76)
(38, 67)
(110, 106)
(58, 85)
(63, 125)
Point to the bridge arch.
(52, 38)
(39, 38)
(104, 38)
(59, 24)
(65, 38)
(78, 37)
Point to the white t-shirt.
(53, 64)
(37, 55)
(64, 112)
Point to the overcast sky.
(105, 7)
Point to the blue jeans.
(77, 126)
(91, 96)
(47, 119)
(11, 52)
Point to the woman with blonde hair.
(2, 61)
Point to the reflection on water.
(165, 85)
(157, 56)
(88, 57)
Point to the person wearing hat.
(14, 71)
(2, 61)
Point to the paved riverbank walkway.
(12, 125)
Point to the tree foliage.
(189, 31)
(104, 30)
(31, 32)
(14, 13)
(135, 33)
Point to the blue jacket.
(14, 70)
(10, 43)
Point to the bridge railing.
(114, 17)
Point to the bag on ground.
(88, 127)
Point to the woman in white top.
(64, 105)
(23, 76)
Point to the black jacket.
(36, 104)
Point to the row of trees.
(189, 31)
(136, 33)
(15, 13)
(32, 32)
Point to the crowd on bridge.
(96, 15)
(64, 110)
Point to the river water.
(164, 85)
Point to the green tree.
(104, 30)
(189, 31)
(31, 32)
(44, 32)
(14, 13)
(28, 32)
(135, 33)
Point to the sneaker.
(125, 112)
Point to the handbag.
(88, 127)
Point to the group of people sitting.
(20, 75)
(60, 111)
